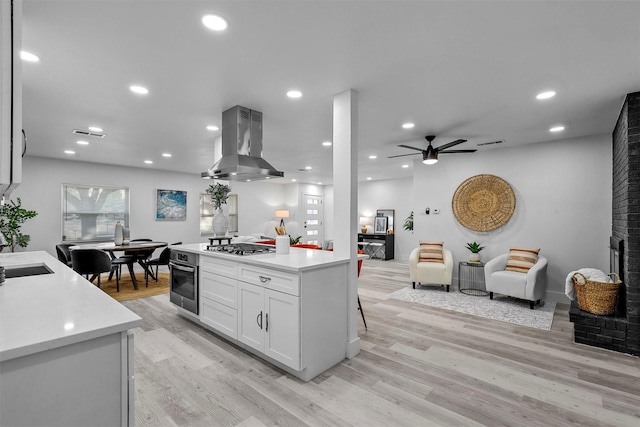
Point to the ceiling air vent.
(490, 143)
(84, 132)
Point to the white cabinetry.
(269, 322)
(10, 95)
(219, 295)
(295, 320)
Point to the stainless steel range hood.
(242, 148)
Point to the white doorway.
(312, 219)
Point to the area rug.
(126, 286)
(503, 308)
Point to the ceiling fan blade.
(456, 151)
(413, 148)
(451, 144)
(402, 155)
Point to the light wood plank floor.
(419, 366)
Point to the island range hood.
(242, 148)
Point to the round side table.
(471, 278)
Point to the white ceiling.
(456, 69)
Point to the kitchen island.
(66, 353)
(289, 309)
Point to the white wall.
(41, 191)
(563, 203)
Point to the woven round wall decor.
(483, 202)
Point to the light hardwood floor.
(418, 366)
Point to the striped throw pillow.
(431, 252)
(521, 260)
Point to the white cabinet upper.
(10, 96)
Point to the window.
(90, 213)
(206, 214)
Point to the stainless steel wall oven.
(183, 267)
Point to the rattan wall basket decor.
(483, 202)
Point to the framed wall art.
(380, 225)
(171, 205)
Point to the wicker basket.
(596, 297)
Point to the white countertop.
(42, 312)
(297, 260)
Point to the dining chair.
(163, 259)
(131, 257)
(94, 262)
(63, 252)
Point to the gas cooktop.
(242, 249)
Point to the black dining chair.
(94, 262)
(131, 257)
(163, 259)
(64, 254)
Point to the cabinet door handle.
(266, 317)
(259, 320)
(264, 279)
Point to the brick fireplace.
(621, 330)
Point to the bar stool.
(376, 250)
(363, 246)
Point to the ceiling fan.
(430, 155)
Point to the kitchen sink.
(26, 270)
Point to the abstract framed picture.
(171, 205)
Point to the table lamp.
(282, 214)
(364, 221)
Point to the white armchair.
(437, 273)
(529, 286)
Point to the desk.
(386, 239)
(471, 278)
(219, 239)
(131, 247)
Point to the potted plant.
(219, 194)
(408, 222)
(475, 249)
(12, 216)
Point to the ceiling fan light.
(430, 156)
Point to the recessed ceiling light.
(373, 156)
(327, 143)
(215, 22)
(95, 129)
(546, 95)
(557, 129)
(369, 178)
(69, 152)
(139, 89)
(294, 94)
(405, 166)
(408, 125)
(213, 128)
(293, 180)
(308, 168)
(149, 162)
(28, 56)
(82, 142)
(166, 154)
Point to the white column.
(345, 184)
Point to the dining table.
(133, 246)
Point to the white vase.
(118, 235)
(474, 258)
(220, 223)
